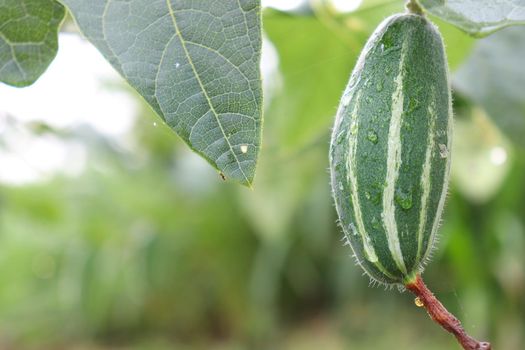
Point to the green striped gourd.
(389, 153)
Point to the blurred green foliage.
(149, 249)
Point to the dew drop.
(404, 199)
(340, 138)
(244, 148)
(353, 229)
(155, 124)
(346, 99)
(418, 302)
(443, 150)
(375, 223)
(372, 136)
(352, 82)
(177, 65)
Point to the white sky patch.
(272, 79)
(79, 88)
(26, 158)
(73, 91)
(345, 6)
(283, 5)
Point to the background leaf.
(478, 17)
(315, 67)
(28, 39)
(479, 148)
(195, 62)
(493, 77)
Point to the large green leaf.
(493, 77)
(478, 17)
(195, 62)
(28, 39)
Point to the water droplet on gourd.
(177, 65)
(346, 99)
(372, 136)
(340, 138)
(341, 187)
(375, 223)
(353, 229)
(387, 41)
(244, 148)
(155, 124)
(352, 82)
(443, 150)
(368, 195)
(404, 199)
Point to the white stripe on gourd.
(368, 247)
(393, 164)
(425, 177)
(441, 205)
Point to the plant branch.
(439, 314)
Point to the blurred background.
(113, 235)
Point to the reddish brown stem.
(439, 314)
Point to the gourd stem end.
(413, 7)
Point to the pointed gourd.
(390, 149)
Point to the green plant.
(224, 130)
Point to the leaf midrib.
(212, 108)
